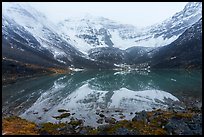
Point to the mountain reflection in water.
(86, 93)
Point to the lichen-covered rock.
(177, 126)
(157, 122)
(17, 126)
(124, 131)
(141, 116)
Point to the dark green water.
(85, 93)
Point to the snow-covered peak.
(193, 5)
(93, 21)
(25, 15)
(191, 9)
(23, 9)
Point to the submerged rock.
(35, 113)
(100, 121)
(110, 120)
(117, 110)
(101, 115)
(64, 115)
(122, 116)
(63, 110)
(45, 109)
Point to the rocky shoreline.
(172, 121)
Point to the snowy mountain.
(88, 41)
(26, 22)
(89, 32)
(29, 33)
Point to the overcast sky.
(135, 13)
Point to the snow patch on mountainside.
(150, 42)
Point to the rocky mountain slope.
(26, 29)
(185, 52)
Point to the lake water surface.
(87, 93)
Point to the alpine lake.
(85, 94)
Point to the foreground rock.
(158, 122)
